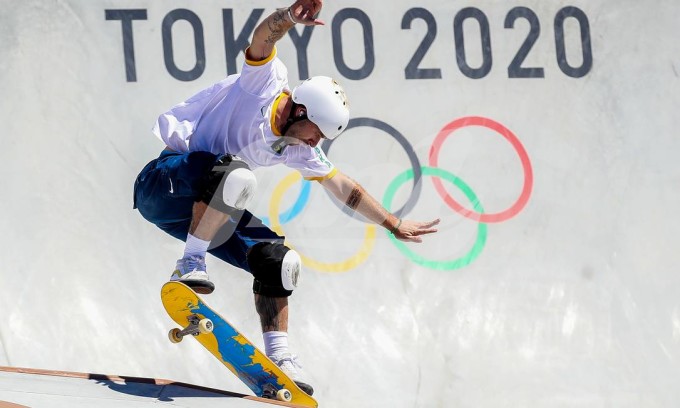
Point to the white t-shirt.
(235, 116)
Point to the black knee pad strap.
(264, 260)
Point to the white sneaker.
(289, 364)
(191, 271)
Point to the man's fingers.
(307, 17)
(431, 223)
(411, 238)
(415, 229)
(427, 227)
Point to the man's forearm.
(363, 203)
(268, 32)
(355, 197)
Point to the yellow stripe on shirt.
(272, 121)
(264, 61)
(326, 177)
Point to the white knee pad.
(291, 267)
(275, 268)
(230, 185)
(239, 188)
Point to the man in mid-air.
(202, 182)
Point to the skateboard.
(228, 345)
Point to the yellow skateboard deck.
(229, 346)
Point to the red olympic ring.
(509, 136)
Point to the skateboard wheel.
(284, 395)
(174, 336)
(205, 326)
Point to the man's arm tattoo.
(278, 26)
(354, 198)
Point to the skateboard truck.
(269, 391)
(196, 326)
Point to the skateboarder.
(200, 185)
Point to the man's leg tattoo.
(273, 313)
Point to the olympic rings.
(508, 135)
(347, 264)
(416, 173)
(415, 163)
(481, 227)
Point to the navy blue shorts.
(165, 192)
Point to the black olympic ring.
(415, 164)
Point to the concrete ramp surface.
(54, 389)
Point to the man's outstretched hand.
(411, 231)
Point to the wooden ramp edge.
(160, 383)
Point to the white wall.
(572, 301)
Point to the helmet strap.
(292, 118)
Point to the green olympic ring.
(481, 228)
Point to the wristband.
(290, 15)
(396, 227)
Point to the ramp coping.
(139, 380)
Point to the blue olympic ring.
(297, 206)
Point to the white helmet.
(326, 104)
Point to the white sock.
(195, 246)
(275, 343)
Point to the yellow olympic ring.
(342, 266)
